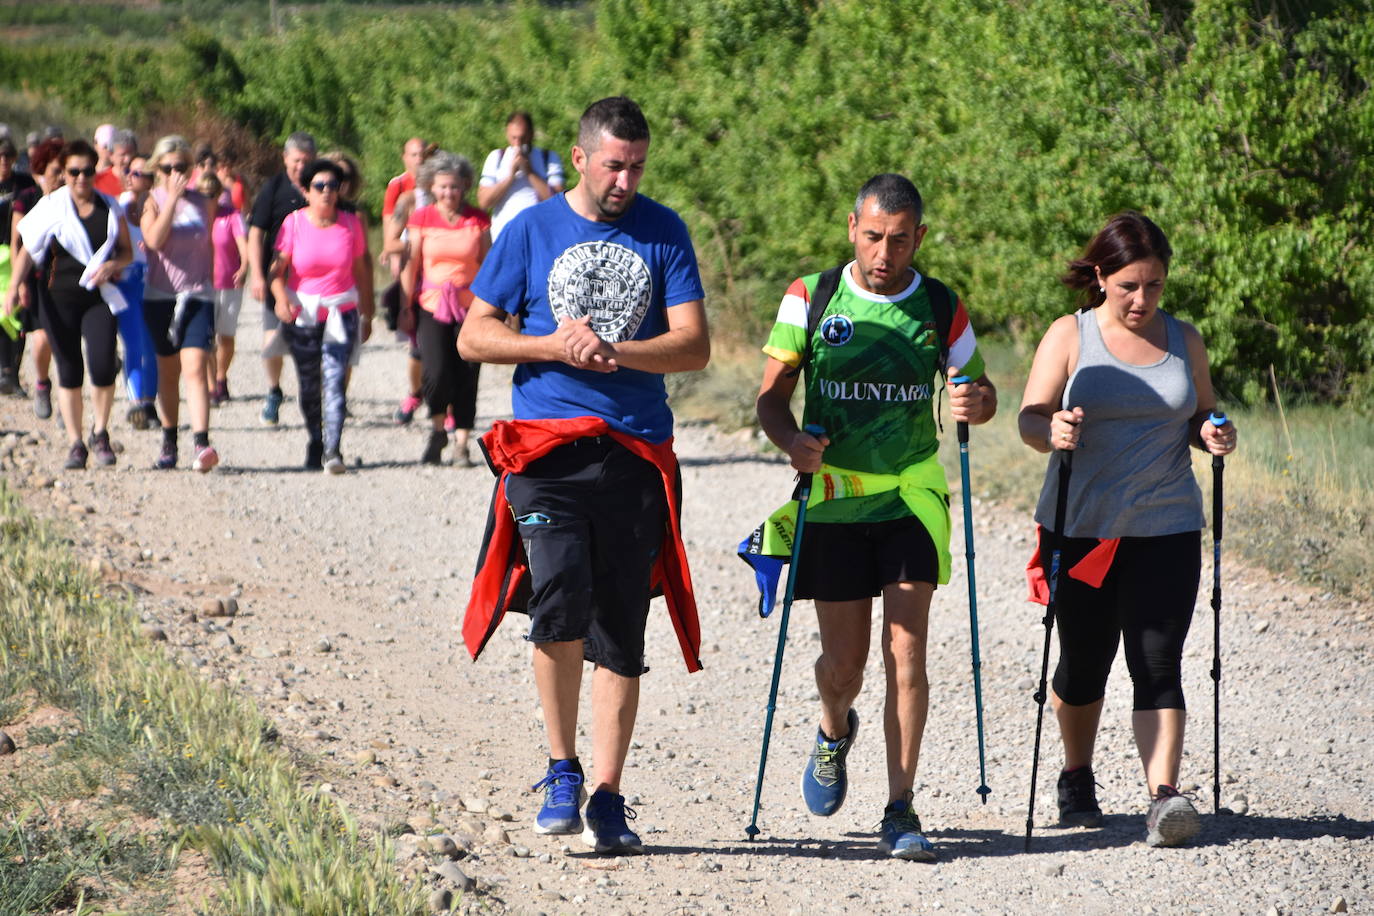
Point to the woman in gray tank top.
(1125, 387)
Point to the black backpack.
(941, 303)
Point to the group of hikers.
(594, 295)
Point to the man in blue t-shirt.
(606, 287)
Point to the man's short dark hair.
(894, 193)
(522, 116)
(618, 116)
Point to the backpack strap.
(942, 305)
(826, 286)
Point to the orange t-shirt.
(107, 182)
(449, 252)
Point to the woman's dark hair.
(44, 154)
(1128, 237)
(321, 165)
(79, 148)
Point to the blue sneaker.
(824, 780)
(563, 795)
(606, 830)
(900, 835)
(271, 408)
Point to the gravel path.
(348, 592)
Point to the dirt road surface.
(374, 567)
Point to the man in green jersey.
(878, 521)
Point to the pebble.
(154, 633)
(222, 641)
(496, 834)
(440, 900)
(212, 607)
(520, 852)
(1260, 626)
(316, 734)
(7, 745)
(454, 875)
(443, 845)
(386, 781)
(475, 805)
(323, 645)
(262, 653)
(1338, 905)
(365, 758)
(1054, 869)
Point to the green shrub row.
(1244, 127)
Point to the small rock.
(475, 805)
(496, 834)
(323, 645)
(316, 734)
(454, 875)
(6, 745)
(365, 758)
(231, 606)
(520, 852)
(1338, 905)
(441, 844)
(1054, 869)
(1260, 626)
(405, 846)
(440, 900)
(212, 607)
(222, 641)
(154, 633)
(386, 781)
(262, 653)
(1239, 806)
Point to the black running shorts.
(847, 561)
(591, 515)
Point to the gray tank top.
(1132, 473)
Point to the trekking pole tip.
(984, 791)
(751, 832)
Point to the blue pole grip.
(813, 429)
(1217, 419)
(960, 380)
(962, 428)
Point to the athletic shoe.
(271, 408)
(1078, 798)
(100, 444)
(314, 456)
(406, 412)
(205, 459)
(434, 449)
(166, 457)
(606, 830)
(564, 794)
(76, 458)
(824, 780)
(150, 410)
(334, 463)
(219, 395)
(1172, 820)
(900, 835)
(42, 401)
(9, 384)
(450, 424)
(137, 417)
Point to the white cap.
(104, 135)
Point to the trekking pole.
(1060, 504)
(803, 495)
(1218, 468)
(962, 428)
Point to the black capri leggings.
(70, 317)
(1146, 602)
(447, 380)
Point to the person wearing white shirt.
(519, 175)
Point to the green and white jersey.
(871, 380)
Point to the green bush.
(1244, 128)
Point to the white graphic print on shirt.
(609, 282)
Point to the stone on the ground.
(440, 900)
(323, 645)
(7, 745)
(451, 873)
(365, 758)
(1338, 905)
(496, 834)
(443, 845)
(154, 632)
(212, 607)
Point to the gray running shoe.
(42, 400)
(1172, 820)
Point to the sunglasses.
(88, 171)
(175, 167)
(134, 173)
(325, 185)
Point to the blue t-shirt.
(549, 263)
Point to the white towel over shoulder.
(55, 217)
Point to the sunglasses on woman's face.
(180, 167)
(88, 171)
(325, 185)
(134, 173)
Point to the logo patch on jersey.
(609, 282)
(837, 330)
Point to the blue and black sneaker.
(606, 830)
(900, 834)
(824, 780)
(563, 796)
(271, 407)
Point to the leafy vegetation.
(1244, 127)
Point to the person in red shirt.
(122, 148)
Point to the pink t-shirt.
(227, 227)
(183, 265)
(321, 259)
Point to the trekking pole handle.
(1218, 420)
(961, 427)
